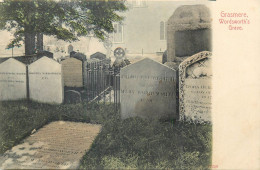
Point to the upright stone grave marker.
(195, 88)
(98, 55)
(188, 32)
(12, 80)
(72, 72)
(70, 48)
(148, 90)
(45, 81)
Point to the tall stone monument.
(12, 80)
(188, 32)
(195, 75)
(148, 90)
(45, 81)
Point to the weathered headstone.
(164, 57)
(72, 96)
(148, 90)
(70, 48)
(45, 81)
(195, 88)
(79, 56)
(188, 32)
(98, 55)
(72, 72)
(12, 80)
(45, 53)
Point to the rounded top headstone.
(98, 55)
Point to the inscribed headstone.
(45, 81)
(195, 76)
(148, 90)
(72, 72)
(12, 80)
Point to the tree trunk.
(39, 41)
(29, 41)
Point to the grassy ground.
(131, 143)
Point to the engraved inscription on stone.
(72, 72)
(148, 90)
(12, 80)
(58, 145)
(195, 75)
(45, 81)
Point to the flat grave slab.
(58, 145)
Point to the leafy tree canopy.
(65, 19)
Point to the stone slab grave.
(148, 90)
(58, 145)
(195, 74)
(72, 72)
(12, 80)
(45, 81)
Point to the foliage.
(66, 20)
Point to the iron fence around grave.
(102, 83)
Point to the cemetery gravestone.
(45, 81)
(79, 56)
(72, 72)
(98, 55)
(195, 88)
(164, 57)
(12, 80)
(45, 53)
(148, 90)
(188, 32)
(70, 48)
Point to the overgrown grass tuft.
(133, 143)
(19, 118)
(142, 144)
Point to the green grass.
(131, 143)
(143, 144)
(19, 118)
